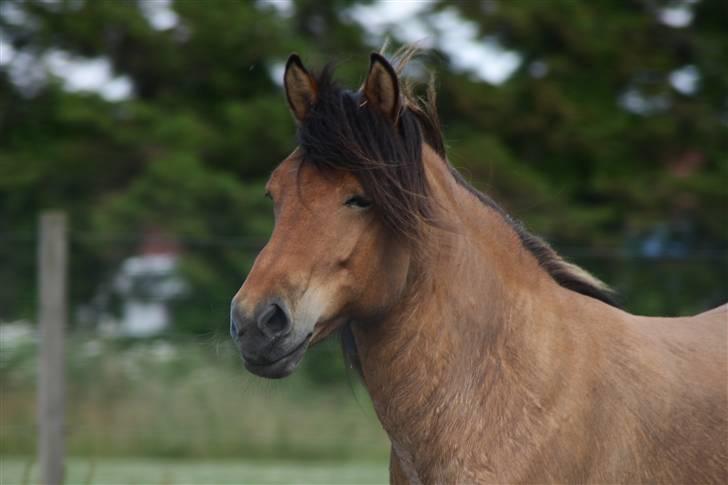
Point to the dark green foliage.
(188, 154)
(558, 146)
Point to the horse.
(488, 357)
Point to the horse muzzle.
(266, 340)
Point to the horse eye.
(358, 202)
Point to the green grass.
(19, 470)
(189, 400)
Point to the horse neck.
(479, 303)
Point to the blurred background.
(154, 125)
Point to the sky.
(483, 58)
(408, 20)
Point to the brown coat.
(490, 372)
(488, 358)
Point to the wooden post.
(52, 269)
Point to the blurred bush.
(610, 134)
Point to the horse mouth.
(281, 366)
(324, 328)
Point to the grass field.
(194, 414)
(128, 471)
(188, 401)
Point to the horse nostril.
(273, 320)
(236, 329)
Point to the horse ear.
(381, 89)
(301, 88)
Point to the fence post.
(52, 278)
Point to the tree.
(597, 127)
(588, 141)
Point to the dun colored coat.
(488, 358)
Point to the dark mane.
(564, 273)
(342, 132)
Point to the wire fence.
(173, 395)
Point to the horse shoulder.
(685, 397)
